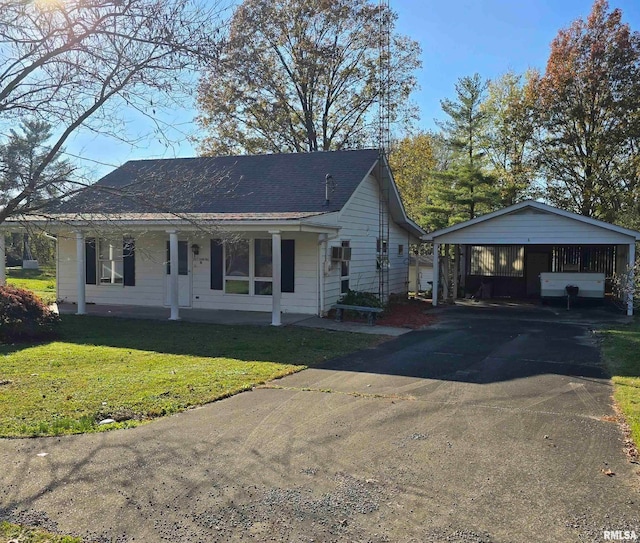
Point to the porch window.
(237, 268)
(246, 267)
(110, 261)
(497, 260)
(263, 282)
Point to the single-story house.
(422, 268)
(511, 249)
(274, 233)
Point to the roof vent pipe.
(328, 183)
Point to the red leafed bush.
(24, 317)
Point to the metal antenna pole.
(384, 143)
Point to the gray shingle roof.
(278, 183)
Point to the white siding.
(398, 263)
(149, 289)
(533, 227)
(426, 275)
(303, 300)
(359, 221)
(150, 274)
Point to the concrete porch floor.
(218, 316)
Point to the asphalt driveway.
(487, 427)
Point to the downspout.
(322, 241)
(408, 257)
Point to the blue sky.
(458, 38)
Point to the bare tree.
(79, 64)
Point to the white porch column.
(632, 265)
(3, 261)
(276, 276)
(173, 278)
(436, 273)
(81, 273)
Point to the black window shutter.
(90, 261)
(217, 264)
(129, 262)
(288, 278)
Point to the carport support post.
(173, 277)
(632, 266)
(276, 286)
(81, 273)
(417, 270)
(456, 270)
(445, 272)
(436, 274)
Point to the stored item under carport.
(572, 293)
(555, 284)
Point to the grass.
(622, 355)
(20, 534)
(134, 371)
(42, 282)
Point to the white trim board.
(456, 230)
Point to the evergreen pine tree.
(465, 190)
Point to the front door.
(535, 264)
(184, 275)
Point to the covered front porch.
(267, 266)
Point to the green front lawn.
(42, 282)
(622, 355)
(134, 371)
(12, 533)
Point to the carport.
(509, 249)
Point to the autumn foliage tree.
(508, 137)
(413, 161)
(301, 76)
(588, 116)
